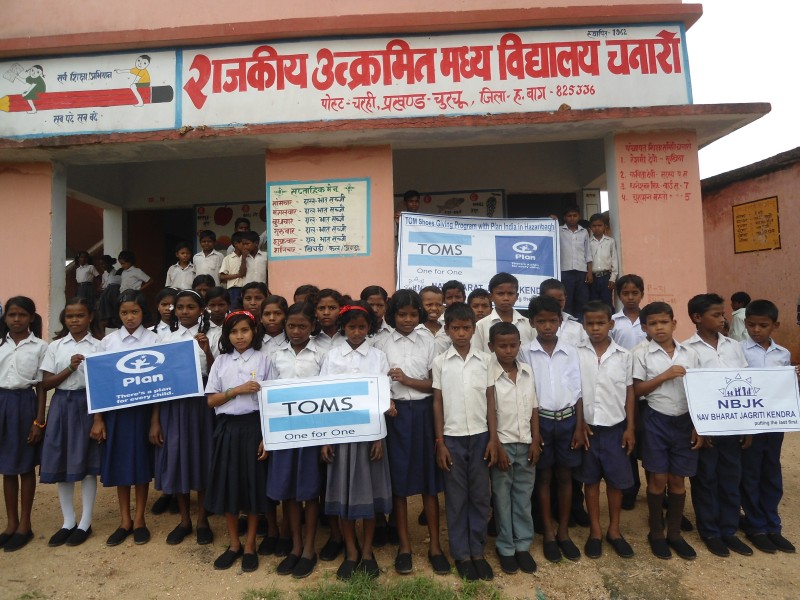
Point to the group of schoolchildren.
(510, 416)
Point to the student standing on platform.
(504, 293)
(68, 454)
(464, 417)
(715, 487)
(107, 306)
(133, 278)
(208, 261)
(739, 302)
(571, 330)
(576, 261)
(604, 262)
(85, 275)
(762, 476)
(671, 443)
(181, 274)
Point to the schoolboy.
(762, 478)
(454, 291)
(431, 297)
(241, 225)
(504, 292)
(480, 302)
(558, 388)
(576, 261)
(181, 274)
(739, 302)
(670, 442)
(132, 277)
(208, 261)
(570, 330)
(234, 268)
(604, 261)
(464, 417)
(715, 487)
(519, 446)
(609, 414)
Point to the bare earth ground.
(155, 570)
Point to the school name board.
(355, 78)
(318, 219)
(756, 226)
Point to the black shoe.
(422, 519)
(177, 535)
(204, 536)
(508, 564)
(525, 561)
(379, 540)
(392, 536)
(737, 545)
(763, 543)
(227, 558)
(287, 565)
(717, 547)
(283, 547)
(331, 550)
(119, 536)
(78, 536)
(491, 527)
(60, 537)
(484, 569)
(659, 547)
(580, 516)
(346, 569)
(17, 541)
(141, 535)
(682, 548)
(267, 546)
(466, 570)
(621, 547)
(402, 563)
(439, 564)
(551, 551)
(304, 567)
(569, 549)
(249, 562)
(161, 505)
(781, 543)
(686, 524)
(593, 548)
(4, 537)
(370, 567)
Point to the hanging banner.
(434, 249)
(329, 409)
(743, 401)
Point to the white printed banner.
(743, 401)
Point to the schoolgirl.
(327, 310)
(218, 303)
(202, 283)
(111, 280)
(85, 274)
(273, 318)
(253, 295)
(165, 303)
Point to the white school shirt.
(234, 369)
(571, 330)
(604, 255)
(286, 364)
(270, 345)
(514, 402)
(441, 342)
(727, 354)
(256, 268)
(85, 273)
(463, 383)
(383, 331)
(179, 277)
(480, 338)
(133, 278)
(575, 249)
(183, 333)
(213, 335)
(262, 244)
(604, 383)
(230, 265)
(59, 355)
(122, 340)
(20, 364)
(557, 377)
(111, 278)
(774, 356)
(738, 331)
(627, 334)
(651, 360)
(325, 342)
(414, 353)
(162, 329)
(208, 264)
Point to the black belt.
(601, 273)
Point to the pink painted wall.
(28, 191)
(348, 275)
(659, 221)
(771, 274)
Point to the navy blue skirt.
(183, 462)
(17, 413)
(412, 452)
(294, 474)
(127, 452)
(68, 453)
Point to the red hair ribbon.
(246, 313)
(348, 307)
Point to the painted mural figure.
(37, 85)
(141, 77)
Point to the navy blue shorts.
(667, 446)
(557, 438)
(606, 458)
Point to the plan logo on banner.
(525, 255)
(121, 379)
(727, 402)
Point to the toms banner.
(330, 409)
(434, 249)
(743, 401)
(117, 380)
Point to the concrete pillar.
(113, 230)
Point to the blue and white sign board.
(142, 376)
(743, 401)
(434, 249)
(329, 409)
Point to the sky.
(745, 51)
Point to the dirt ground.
(156, 570)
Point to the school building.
(312, 118)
